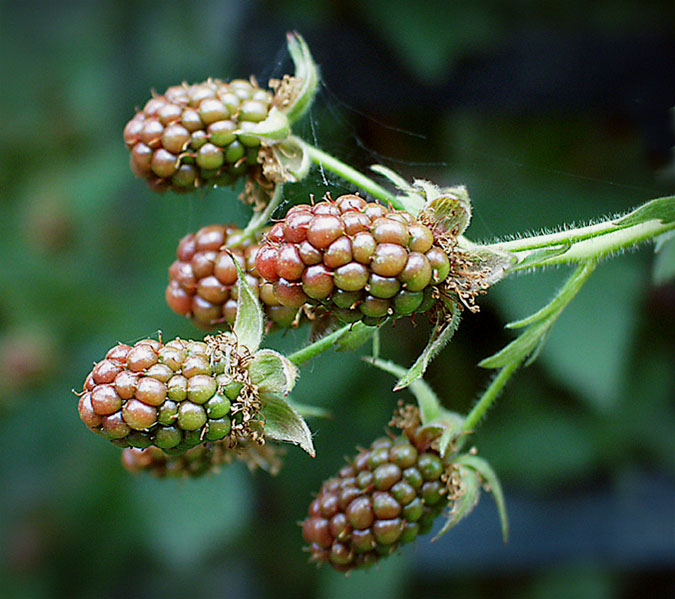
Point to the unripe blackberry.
(361, 260)
(203, 282)
(195, 135)
(173, 396)
(200, 460)
(384, 498)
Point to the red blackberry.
(361, 260)
(173, 396)
(195, 135)
(384, 498)
(203, 282)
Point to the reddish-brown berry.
(362, 261)
(172, 396)
(387, 496)
(203, 282)
(193, 135)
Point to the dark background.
(548, 112)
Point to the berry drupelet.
(195, 135)
(173, 396)
(387, 496)
(202, 459)
(203, 282)
(362, 261)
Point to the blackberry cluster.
(362, 261)
(200, 460)
(173, 396)
(386, 497)
(203, 282)
(195, 135)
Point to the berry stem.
(258, 219)
(489, 395)
(593, 242)
(314, 349)
(527, 345)
(328, 162)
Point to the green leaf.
(284, 423)
(442, 333)
(661, 209)
(272, 373)
(463, 506)
(306, 72)
(494, 486)
(538, 256)
(248, 324)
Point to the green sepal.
(464, 504)
(306, 72)
(274, 128)
(284, 423)
(452, 424)
(492, 485)
(292, 158)
(272, 373)
(249, 322)
(443, 331)
(448, 208)
(432, 413)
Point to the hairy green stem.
(258, 219)
(592, 242)
(526, 346)
(336, 166)
(490, 394)
(321, 345)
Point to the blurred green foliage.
(84, 250)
